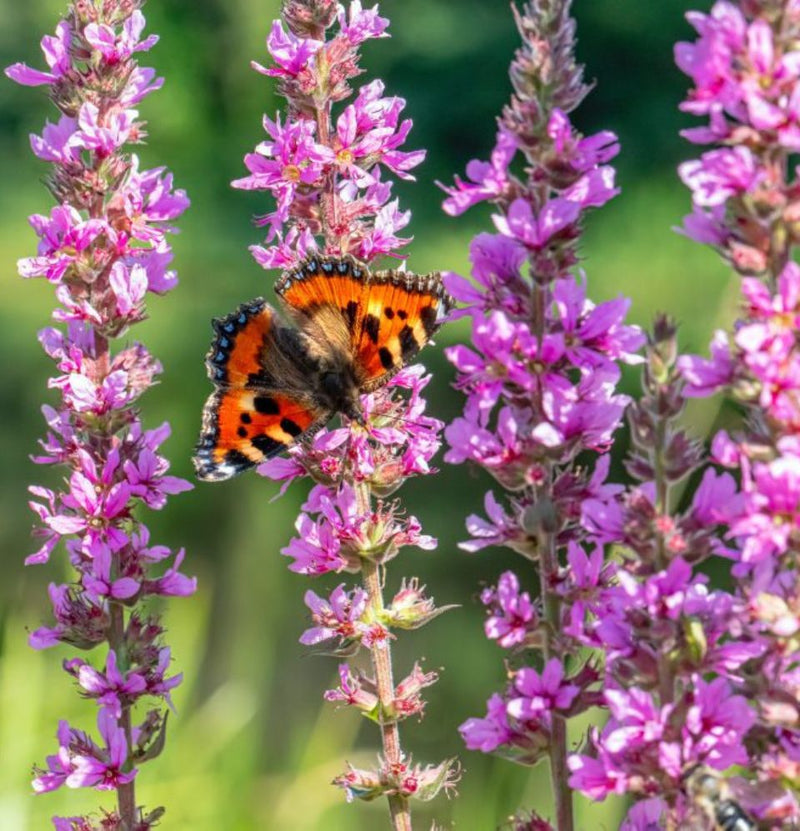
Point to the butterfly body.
(350, 332)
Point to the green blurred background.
(253, 745)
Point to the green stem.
(551, 603)
(126, 794)
(381, 655)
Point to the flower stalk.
(540, 384)
(325, 167)
(103, 248)
(694, 673)
(384, 680)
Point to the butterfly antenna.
(402, 420)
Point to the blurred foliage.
(252, 746)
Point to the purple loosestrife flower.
(717, 671)
(326, 164)
(540, 379)
(512, 613)
(753, 111)
(670, 662)
(103, 247)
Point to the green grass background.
(253, 746)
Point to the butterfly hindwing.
(389, 315)
(243, 427)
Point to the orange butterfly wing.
(391, 315)
(246, 420)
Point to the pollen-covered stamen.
(344, 157)
(291, 173)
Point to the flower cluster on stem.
(103, 247)
(662, 629)
(716, 672)
(540, 379)
(325, 165)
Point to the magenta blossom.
(326, 166)
(102, 260)
(488, 180)
(291, 53)
(56, 54)
(511, 613)
(487, 734)
(540, 695)
(361, 24)
(340, 616)
(103, 769)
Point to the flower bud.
(360, 784)
(410, 608)
(307, 18)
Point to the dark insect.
(711, 794)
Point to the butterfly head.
(340, 390)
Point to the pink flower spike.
(325, 166)
(102, 253)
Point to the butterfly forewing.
(390, 315)
(235, 353)
(402, 313)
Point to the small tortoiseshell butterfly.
(276, 383)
